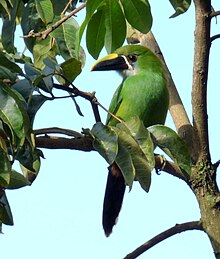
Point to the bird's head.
(126, 60)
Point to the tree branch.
(169, 167)
(178, 228)
(200, 77)
(217, 36)
(88, 96)
(176, 107)
(45, 33)
(84, 143)
(53, 142)
(214, 14)
(57, 130)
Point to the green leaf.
(13, 114)
(10, 64)
(31, 21)
(24, 87)
(42, 49)
(168, 140)
(91, 7)
(125, 163)
(139, 161)
(138, 14)
(5, 211)
(71, 69)
(95, 34)
(17, 181)
(31, 71)
(5, 168)
(34, 104)
(34, 101)
(115, 26)
(42, 79)
(8, 28)
(45, 10)
(65, 36)
(59, 6)
(25, 156)
(5, 73)
(31, 174)
(143, 138)
(6, 8)
(105, 141)
(180, 6)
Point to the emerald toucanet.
(143, 93)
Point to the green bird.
(143, 93)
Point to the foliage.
(54, 59)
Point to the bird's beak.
(111, 62)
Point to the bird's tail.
(114, 193)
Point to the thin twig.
(66, 7)
(57, 130)
(86, 95)
(45, 33)
(114, 116)
(178, 228)
(214, 14)
(162, 164)
(217, 36)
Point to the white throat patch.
(131, 71)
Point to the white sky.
(59, 216)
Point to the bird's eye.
(132, 58)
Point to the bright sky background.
(59, 216)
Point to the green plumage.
(143, 94)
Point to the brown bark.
(203, 179)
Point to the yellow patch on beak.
(108, 57)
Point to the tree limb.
(214, 14)
(217, 36)
(176, 107)
(45, 33)
(86, 95)
(178, 228)
(57, 130)
(84, 143)
(200, 77)
(169, 167)
(53, 142)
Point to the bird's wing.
(115, 103)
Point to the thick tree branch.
(85, 144)
(200, 77)
(54, 142)
(176, 107)
(178, 228)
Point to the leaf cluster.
(28, 79)
(131, 146)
